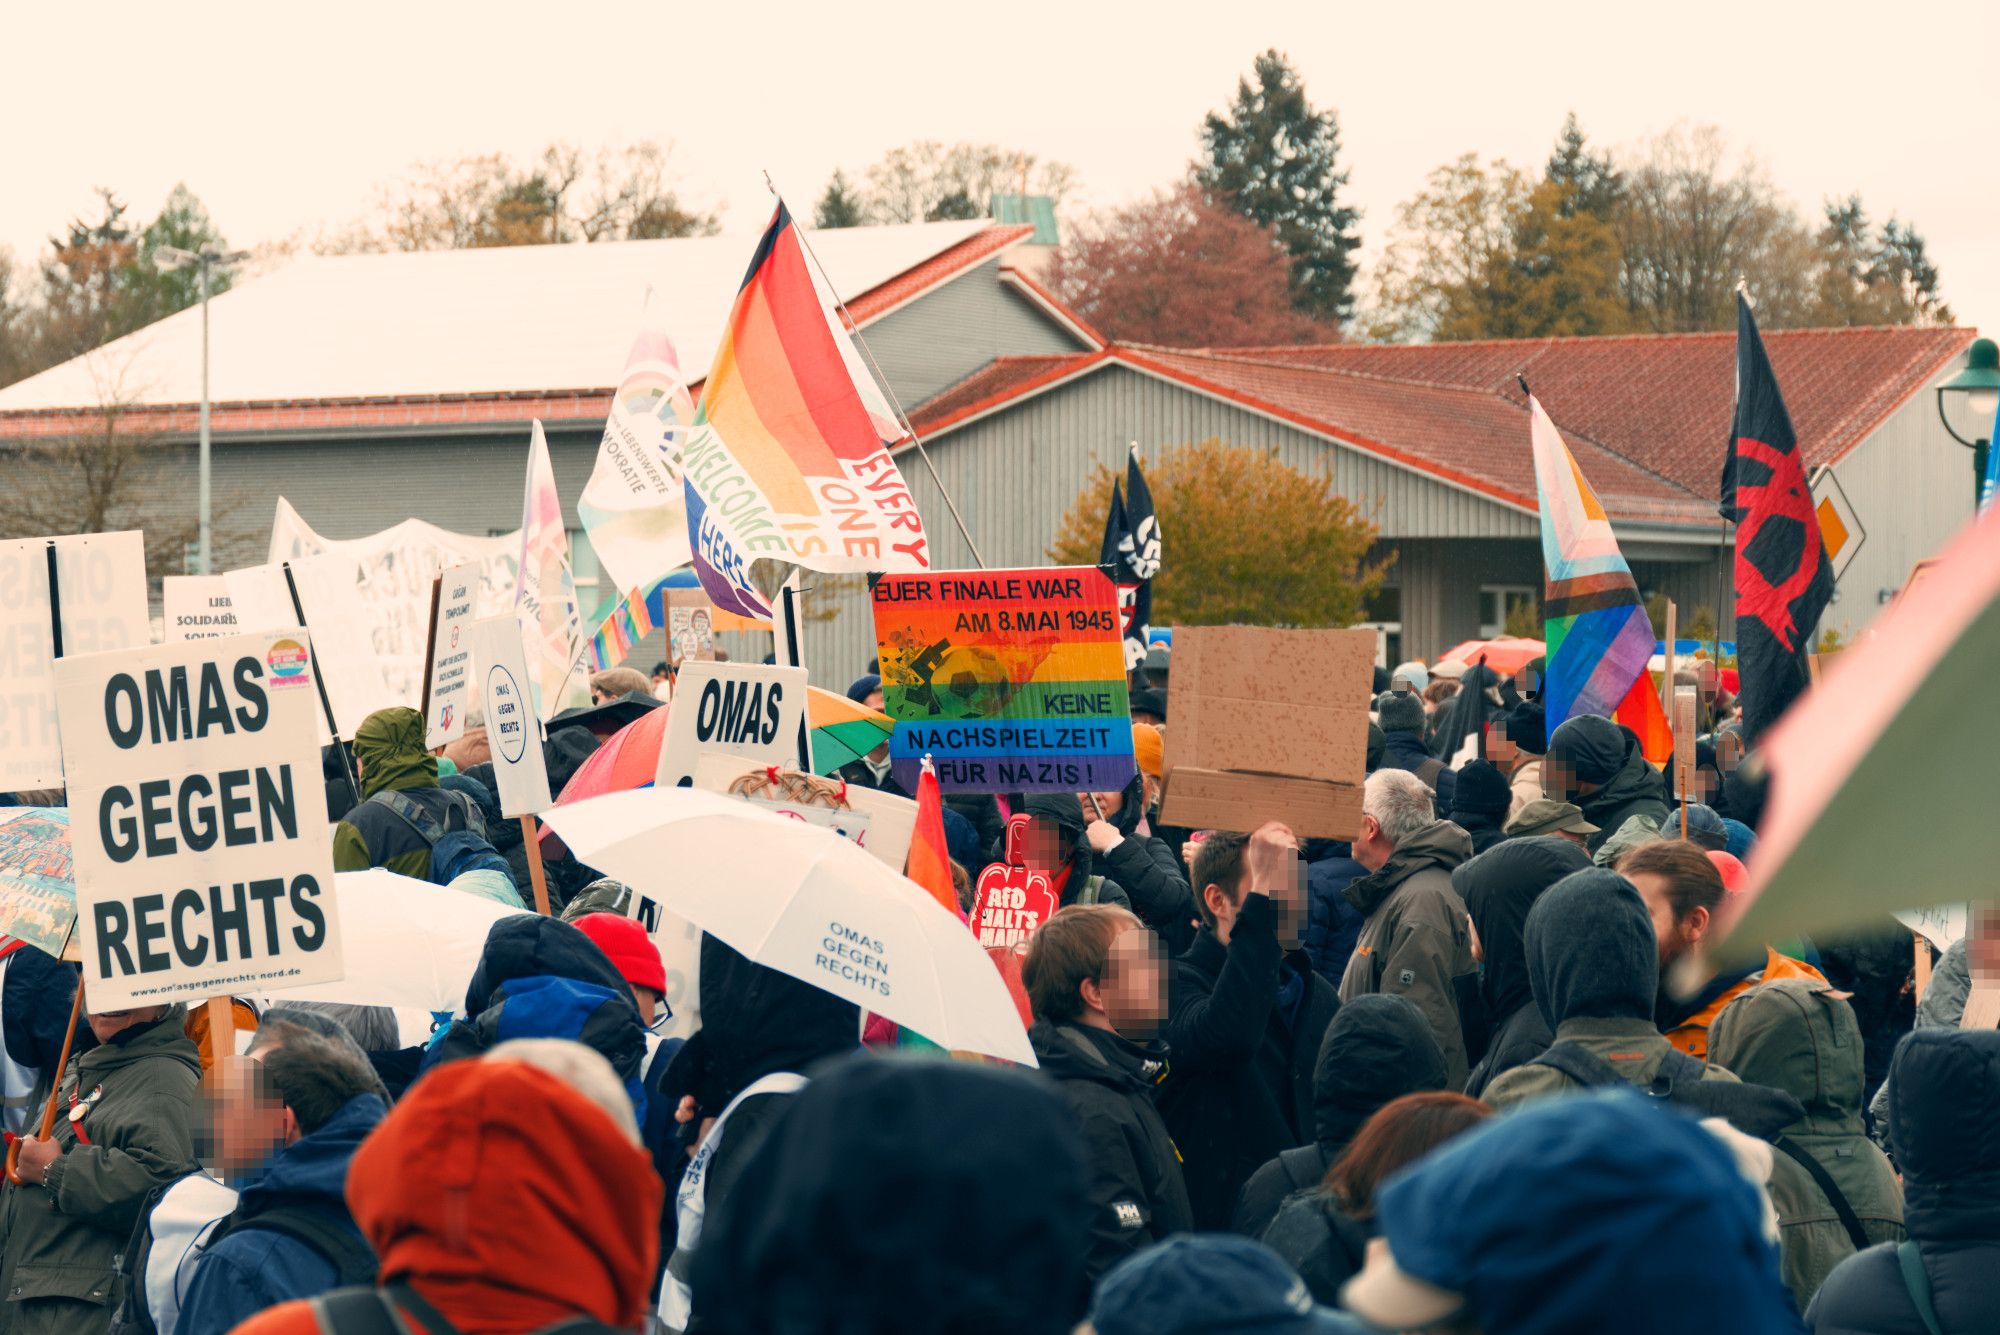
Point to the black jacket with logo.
(1137, 1196)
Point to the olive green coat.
(60, 1242)
(1799, 1035)
(1634, 1048)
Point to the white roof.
(457, 321)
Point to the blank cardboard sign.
(1247, 704)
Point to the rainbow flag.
(1599, 639)
(629, 621)
(788, 457)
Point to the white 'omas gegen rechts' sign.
(514, 732)
(199, 839)
(744, 709)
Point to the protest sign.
(196, 607)
(451, 656)
(512, 730)
(1011, 680)
(690, 626)
(1009, 900)
(1687, 708)
(881, 823)
(634, 507)
(37, 892)
(393, 571)
(1940, 924)
(204, 862)
(744, 709)
(350, 670)
(1268, 725)
(103, 600)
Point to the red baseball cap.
(630, 950)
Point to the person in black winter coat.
(1479, 803)
(1094, 980)
(1150, 873)
(1944, 1119)
(1402, 718)
(1245, 1016)
(35, 994)
(1055, 844)
(1599, 765)
(1499, 887)
(1378, 1048)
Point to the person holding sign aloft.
(127, 1111)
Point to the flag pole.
(854, 329)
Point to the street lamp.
(167, 259)
(1979, 383)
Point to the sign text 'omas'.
(742, 709)
(203, 858)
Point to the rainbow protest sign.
(1011, 680)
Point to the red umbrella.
(1506, 655)
(628, 759)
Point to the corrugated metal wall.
(940, 339)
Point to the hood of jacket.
(165, 1037)
(509, 1200)
(531, 946)
(1078, 1052)
(876, 1162)
(1499, 887)
(1439, 844)
(390, 746)
(316, 1164)
(1590, 949)
(1798, 1035)
(755, 1021)
(1944, 1120)
(1379, 1047)
(1592, 749)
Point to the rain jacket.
(1944, 1116)
(253, 1268)
(1686, 1023)
(1499, 887)
(1802, 1037)
(1378, 1048)
(1594, 969)
(1592, 745)
(389, 745)
(1137, 1195)
(60, 1242)
(1942, 1007)
(1244, 1024)
(1415, 942)
(507, 1200)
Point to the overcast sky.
(284, 117)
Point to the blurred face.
(248, 1122)
(1288, 895)
(1107, 803)
(1044, 847)
(1498, 749)
(1676, 937)
(1133, 989)
(873, 699)
(107, 1023)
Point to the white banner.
(512, 730)
(744, 709)
(451, 656)
(393, 573)
(203, 859)
(103, 579)
(196, 607)
(545, 598)
(634, 507)
(338, 620)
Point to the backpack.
(1093, 887)
(323, 1227)
(1755, 1110)
(461, 815)
(1303, 1167)
(372, 1311)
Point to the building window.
(1498, 601)
(1385, 617)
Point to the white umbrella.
(804, 901)
(407, 943)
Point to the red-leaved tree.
(1179, 271)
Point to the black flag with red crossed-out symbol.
(1783, 577)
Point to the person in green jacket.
(403, 812)
(130, 1105)
(1798, 1035)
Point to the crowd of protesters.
(1442, 1077)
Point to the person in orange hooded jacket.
(1683, 887)
(505, 1199)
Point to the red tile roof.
(1664, 400)
(1645, 416)
(949, 263)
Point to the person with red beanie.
(632, 952)
(503, 1198)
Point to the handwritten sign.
(1010, 902)
(1012, 680)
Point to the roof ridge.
(1374, 376)
(1636, 336)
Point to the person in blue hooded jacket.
(290, 1235)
